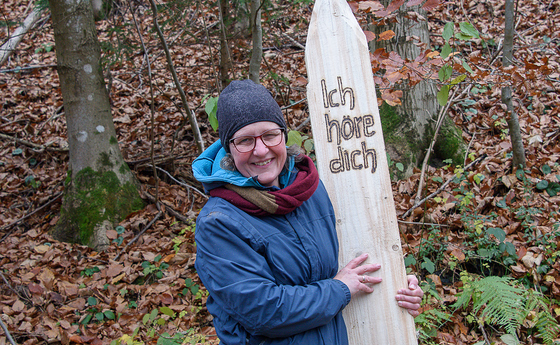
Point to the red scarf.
(283, 201)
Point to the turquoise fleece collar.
(206, 169)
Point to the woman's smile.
(260, 164)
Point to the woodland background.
(491, 227)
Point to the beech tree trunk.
(225, 62)
(408, 129)
(100, 189)
(256, 32)
(511, 116)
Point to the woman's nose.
(260, 147)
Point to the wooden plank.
(352, 163)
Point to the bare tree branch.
(8, 48)
(190, 115)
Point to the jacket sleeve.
(241, 282)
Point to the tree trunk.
(101, 8)
(225, 63)
(256, 31)
(511, 116)
(408, 129)
(100, 190)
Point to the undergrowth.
(494, 298)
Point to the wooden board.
(352, 163)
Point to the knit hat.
(242, 103)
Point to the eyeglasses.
(270, 138)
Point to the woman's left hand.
(410, 298)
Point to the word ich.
(348, 128)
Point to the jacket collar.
(206, 169)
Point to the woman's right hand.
(354, 275)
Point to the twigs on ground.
(169, 209)
(216, 77)
(182, 183)
(57, 113)
(138, 235)
(441, 117)
(53, 199)
(9, 285)
(36, 147)
(19, 69)
(469, 148)
(296, 43)
(442, 187)
(152, 99)
(481, 327)
(8, 335)
(191, 196)
(160, 159)
(422, 223)
(9, 47)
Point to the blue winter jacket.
(269, 278)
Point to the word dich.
(350, 128)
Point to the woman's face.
(265, 162)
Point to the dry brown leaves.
(45, 291)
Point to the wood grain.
(352, 163)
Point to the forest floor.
(489, 220)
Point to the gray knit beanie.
(242, 103)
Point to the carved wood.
(352, 163)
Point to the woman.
(267, 247)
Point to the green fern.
(502, 303)
(546, 325)
(428, 323)
(498, 301)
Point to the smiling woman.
(267, 249)
(254, 157)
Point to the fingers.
(414, 313)
(412, 304)
(410, 298)
(417, 292)
(409, 302)
(356, 265)
(366, 282)
(357, 261)
(355, 275)
(365, 279)
(412, 282)
(366, 268)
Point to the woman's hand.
(354, 275)
(410, 298)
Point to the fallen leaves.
(49, 284)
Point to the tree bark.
(408, 128)
(511, 116)
(100, 189)
(225, 62)
(256, 31)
